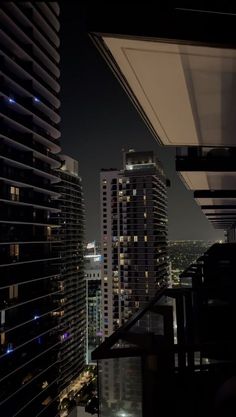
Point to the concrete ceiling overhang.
(186, 93)
(183, 86)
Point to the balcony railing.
(176, 356)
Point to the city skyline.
(88, 87)
(143, 145)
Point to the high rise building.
(29, 142)
(92, 272)
(134, 236)
(72, 314)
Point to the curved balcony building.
(72, 314)
(29, 143)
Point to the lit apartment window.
(146, 274)
(14, 193)
(3, 316)
(135, 238)
(120, 180)
(13, 291)
(3, 339)
(145, 238)
(49, 232)
(14, 251)
(121, 238)
(134, 192)
(104, 181)
(145, 215)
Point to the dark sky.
(98, 120)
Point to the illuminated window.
(144, 198)
(135, 238)
(121, 238)
(13, 291)
(58, 313)
(3, 315)
(14, 193)
(104, 181)
(146, 274)
(145, 238)
(145, 215)
(128, 198)
(14, 251)
(105, 278)
(134, 192)
(120, 180)
(122, 262)
(49, 232)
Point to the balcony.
(28, 141)
(176, 356)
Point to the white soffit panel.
(201, 180)
(186, 91)
(216, 201)
(219, 211)
(195, 180)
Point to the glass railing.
(177, 355)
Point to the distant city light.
(91, 245)
(65, 336)
(36, 99)
(122, 414)
(9, 350)
(11, 100)
(96, 258)
(36, 317)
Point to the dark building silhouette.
(29, 142)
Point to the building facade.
(29, 142)
(93, 269)
(134, 236)
(72, 314)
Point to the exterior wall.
(29, 142)
(93, 265)
(134, 234)
(72, 314)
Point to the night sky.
(98, 120)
